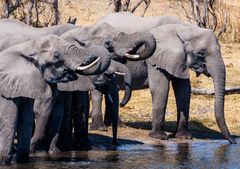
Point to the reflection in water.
(190, 154)
(221, 154)
(183, 154)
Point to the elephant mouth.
(87, 64)
(200, 69)
(135, 52)
(101, 80)
(62, 76)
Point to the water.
(189, 154)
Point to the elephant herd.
(47, 74)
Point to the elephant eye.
(57, 55)
(202, 53)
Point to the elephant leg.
(64, 138)
(43, 109)
(8, 122)
(182, 91)
(55, 121)
(159, 88)
(112, 108)
(80, 118)
(24, 130)
(53, 146)
(96, 115)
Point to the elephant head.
(135, 46)
(186, 46)
(120, 69)
(27, 68)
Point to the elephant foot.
(98, 126)
(5, 163)
(231, 140)
(54, 150)
(22, 159)
(120, 123)
(158, 135)
(83, 146)
(183, 134)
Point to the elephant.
(115, 44)
(120, 44)
(195, 48)
(15, 27)
(76, 105)
(28, 70)
(139, 80)
(128, 23)
(172, 64)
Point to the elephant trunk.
(146, 39)
(135, 46)
(217, 71)
(127, 83)
(87, 61)
(121, 70)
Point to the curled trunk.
(121, 70)
(127, 83)
(83, 57)
(135, 46)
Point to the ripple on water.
(190, 154)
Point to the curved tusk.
(127, 55)
(120, 73)
(81, 68)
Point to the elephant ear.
(83, 83)
(20, 78)
(170, 53)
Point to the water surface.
(170, 154)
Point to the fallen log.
(228, 91)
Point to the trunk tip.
(232, 140)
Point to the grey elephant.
(76, 116)
(128, 23)
(27, 72)
(179, 47)
(15, 27)
(195, 48)
(120, 46)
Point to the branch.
(136, 6)
(232, 90)
(186, 13)
(147, 3)
(117, 5)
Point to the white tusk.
(120, 73)
(88, 66)
(127, 55)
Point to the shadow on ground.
(198, 130)
(106, 141)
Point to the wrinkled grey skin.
(128, 23)
(15, 27)
(139, 80)
(110, 90)
(194, 48)
(119, 45)
(56, 141)
(115, 41)
(15, 37)
(27, 72)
